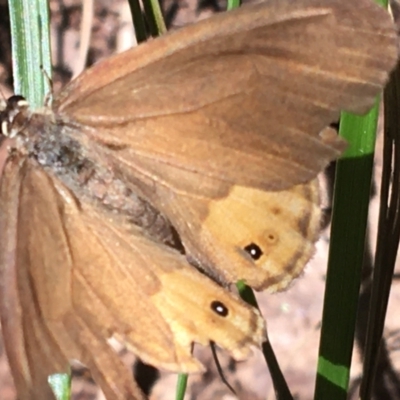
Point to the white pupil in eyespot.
(254, 251)
(219, 308)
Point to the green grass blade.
(31, 49)
(61, 386)
(346, 252)
(281, 388)
(387, 242)
(154, 17)
(138, 21)
(231, 4)
(181, 386)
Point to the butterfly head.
(13, 116)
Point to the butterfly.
(218, 129)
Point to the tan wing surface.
(253, 87)
(78, 277)
(26, 338)
(35, 296)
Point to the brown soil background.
(293, 317)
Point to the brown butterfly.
(219, 128)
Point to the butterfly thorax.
(43, 139)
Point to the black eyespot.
(254, 251)
(219, 308)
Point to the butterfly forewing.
(255, 85)
(27, 339)
(240, 100)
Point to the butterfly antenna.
(49, 95)
(219, 368)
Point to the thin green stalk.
(231, 4)
(61, 386)
(281, 388)
(181, 386)
(387, 240)
(346, 252)
(154, 17)
(138, 21)
(31, 49)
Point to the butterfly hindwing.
(82, 275)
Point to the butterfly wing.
(206, 122)
(183, 305)
(73, 277)
(264, 238)
(35, 298)
(256, 85)
(32, 352)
